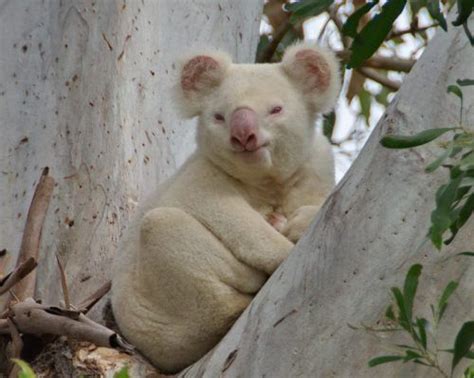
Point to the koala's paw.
(299, 222)
(277, 220)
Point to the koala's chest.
(269, 201)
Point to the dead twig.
(32, 234)
(379, 78)
(90, 301)
(36, 319)
(382, 62)
(17, 346)
(67, 302)
(20, 272)
(412, 30)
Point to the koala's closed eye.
(219, 117)
(276, 110)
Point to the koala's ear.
(200, 75)
(316, 72)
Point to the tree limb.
(20, 272)
(385, 81)
(36, 319)
(411, 30)
(90, 301)
(32, 235)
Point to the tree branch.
(36, 319)
(32, 235)
(381, 62)
(411, 30)
(375, 76)
(17, 275)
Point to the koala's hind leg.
(196, 287)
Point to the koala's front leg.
(299, 222)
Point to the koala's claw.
(277, 220)
(299, 222)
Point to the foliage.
(122, 373)
(454, 205)
(25, 370)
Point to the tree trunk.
(86, 89)
(367, 235)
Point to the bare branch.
(90, 301)
(382, 62)
(67, 302)
(17, 346)
(32, 234)
(278, 35)
(411, 30)
(36, 319)
(10, 280)
(375, 76)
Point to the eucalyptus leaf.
(435, 164)
(350, 26)
(464, 11)
(304, 9)
(374, 32)
(435, 12)
(408, 141)
(443, 301)
(464, 82)
(463, 342)
(467, 253)
(384, 359)
(25, 369)
(329, 120)
(410, 287)
(454, 89)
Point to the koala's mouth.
(255, 154)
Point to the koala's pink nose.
(243, 129)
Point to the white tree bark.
(85, 88)
(367, 235)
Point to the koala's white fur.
(202, 246)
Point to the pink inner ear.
(196, 70)
(317, 68)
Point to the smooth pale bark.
(86, 88)
(367, 235)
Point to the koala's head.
(257, 120)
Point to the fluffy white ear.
(316, 72)
(200, 75)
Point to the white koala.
(203, 245)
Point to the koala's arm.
(310, 192)
(244, 232)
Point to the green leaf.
(350, 26)
(374, 32)
(384, 359)
(416, 5)
(464, 11)
(411, 355)
(435, 164)
(467, 162)
(465, 254)
(305, 9)
(389, 313)
(466, 211)
(463, 342)
(435, 12)
(25, 370)
(122, 373)
(467, 182)
(404, 320)
(409, 289)
(365, 100)
(454, 89)
(408, 141)
(446, 195)
(443, 301)
(329, 120)
(422, 326)
(465, 82)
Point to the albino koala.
(204, 244)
